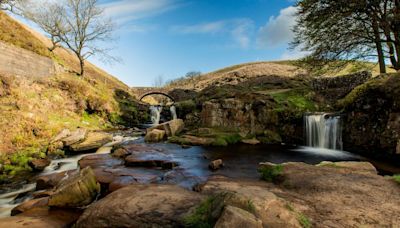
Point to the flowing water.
(155, 113)
(172, 109)
(323, 131)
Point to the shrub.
(304, 221)
(397, 178)
(271, 173)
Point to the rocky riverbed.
(129, 183)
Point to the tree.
(192, 74)
(9, 5)
(78, 24)
(158, 81)
(49, 17)
(349, 29)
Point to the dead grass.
(13, 33)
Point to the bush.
(271, 173)
(397, 178)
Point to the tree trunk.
(379, 49)
(82, 66)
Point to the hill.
(33, 108)
(243, 72)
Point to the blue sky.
(169, 38)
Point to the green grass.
(304, 220)
(397, 178)
(271, 174)
(294, 99)
(202, 215)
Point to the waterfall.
(323, 131)
(155, 112)
(172, 109)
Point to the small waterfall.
(172, 109)
(324, 131)
(155, 112)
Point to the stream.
(240, 161)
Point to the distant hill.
(242, 72)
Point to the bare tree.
(158, 81)
(48, 16)
(10, 5)
(80, 25)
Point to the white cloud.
(239, 29)
(294, 54)
(128, 10)
(278, 30)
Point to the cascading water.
(323, 131)
(155, 112)
(172, 109)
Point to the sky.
(169, 38)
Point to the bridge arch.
(156, 93)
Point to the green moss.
(202, 217)
(271, 173)
(397, 178)
(299, 100)
(359, 91)
(304, 221)
(187, 106)
(178, 140)
(219, 141)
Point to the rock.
(39, 164)
(77, 136)
(155, 135)
(191, 140)
(42, 217)
(78, 190)
(254, 196)
(217, 164)
(62, 135)
(104, 150)
(94, 140)
(99, 160)
(141, 206)
(354, 166)
(28, 205)
(55, 149)
(135, 161)
(251, 141)
(171, 128)
(121, 153)
(236, 217)
(52, 180)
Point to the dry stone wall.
(20, 62)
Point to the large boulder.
(236, 217)
(141, 206)
(155, 135)
(76, 136)
(256, 197)
(94, 140)
(62, 135)
(171, 128)
(39, 164)
(51, 180)
(78, 190)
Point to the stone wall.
(338, 87)
(20, 62)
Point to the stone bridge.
(142, 92)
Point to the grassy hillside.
(33, 109)
(242, 72)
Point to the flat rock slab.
(141, 206)
(42, 217)
(99, 160)
(94, 140)
(75, 137)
